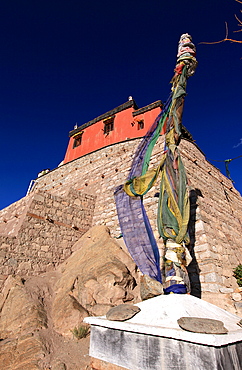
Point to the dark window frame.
(108, 125)
(77, 140)
(141, 124)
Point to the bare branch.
(218, 42)
(232, 40)
(240, 22)
(227, 30)
(226, 36)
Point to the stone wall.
(100, 173)
(37, 232)
(218, 230)
(216, 210)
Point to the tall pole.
(173, 209)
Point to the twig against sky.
(227, 32)
(225, 39)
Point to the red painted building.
(127, 121)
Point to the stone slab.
(200, 325)
(122, 312)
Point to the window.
(77, 139)
(141, 124)
(108, 125)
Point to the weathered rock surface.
(122, 312)
(149, 287)
(39, 313)
(93, 279)
(20, 313)
(22, 353)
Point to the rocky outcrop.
(39, 313)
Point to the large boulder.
(40, 315)
(96, 277)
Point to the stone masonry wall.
(218, 230)
(216, 210)
(37, 232)
(100, 173)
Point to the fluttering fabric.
(133, 220)
(173, 207)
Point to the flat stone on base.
(122, 312)
(201, 325)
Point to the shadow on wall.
(193, 268)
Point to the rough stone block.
(213, 288)
(45, 248)
(39, 198)
(212, 277)
(201, 247)
(208, 254)
(226, 290)
(236, 297)
(199, 226)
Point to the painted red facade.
(127, 121)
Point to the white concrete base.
(153, 340)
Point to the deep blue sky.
(68, 61)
